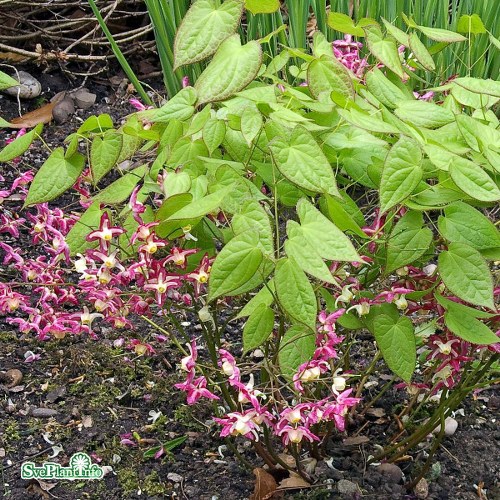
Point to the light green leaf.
(179, 107)
(233, 67)
(473, 180)
(421, 53)
(176, 183)
(89, 221)
(441, 35)
(344, 24)
(204, 27)
(104, 154)
(300, 159)
(303, 252)
(340, 216)
(214, 132)
(20, 145)
(424, 114)
(295, 293)
(464, 224)
(400, 36)
(263, 297)
(251, 124)
(385, 50)
(408, 241)
(254, 217)
(185, 150)
(296, 348)
(383, 89)
(469, 328)
(201, 207)
(326, 74)
(471, 24)
(368, 122)
(235, 265)
(466, 274)
(258, 327)
(96, 124)
(479, 85)
(461, 308)
(401, 174)
(262, 6)
(199, 120)
(6, 81)
(55, 176)
(329, 241)
(121, 189)
(167, 228)
(396, 340)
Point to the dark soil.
(100, 392)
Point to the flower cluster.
(347, 52)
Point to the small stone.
(44, 412)
(174, 477)
(29, 87)
(450, 427)
(56, 394)
(63, 110)
(421, 489)
(345, 487)
(391, 471)
(83, 99)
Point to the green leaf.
(385, 50)
(235, 265)
(201, 207)
(295, 293)
(408, 241)
(263, 297)
(343, 23)
(401, 174)
(469, 328)
(421, 53)
(251, 124)
(121, 189)
(461, 308)
(368, 122)
(55, 176)
(168, 446)
(179, 107)
(104, 154)
(464, 224)
(328, 240)
(396, 340)
(258, 327)
(97, 124)
(6, 81)
(303, 252)
(337, 212)
(89, 221)
(400, 36)
(214, 132)
(233, 67)
(254, 217)
(479, 85)
(326, 74)
(300, 159)
(170, 206)
(383, 89)
(441, 35)
(471, 24)
(466, 274)
(204, 27)
(473, 180)
(296, 347)
(424, 114)
(20, 145)
(262, 6)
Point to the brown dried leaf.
(40, 115)
(265, 485)
(376, 412)
(355, 441)
(294, 482)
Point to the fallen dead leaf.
(40, 115)
(355, 441)
(265, 485)
(294, 482)
(376, 412)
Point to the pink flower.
(195, 389)
(228, 365)
(295, 435)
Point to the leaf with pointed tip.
(421, 53)
(441, 35)
(20, 145)
(232, 68)
(384, 49)
(424, 114)
(77, 236)
(258, 327)
(204, 27)
(468, 328)
(473, 180)
(296, 348)
(325, 74)
(104, 154)
(262, 6)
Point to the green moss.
(152, 485)
(184, 415)
(128, 481)
(10, 434)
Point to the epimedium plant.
(307, 213)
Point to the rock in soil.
(421, 489)
(29, 87)
(391, 471)
(83, 99)
(345, 487)
(44, 413)
(450, 427)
